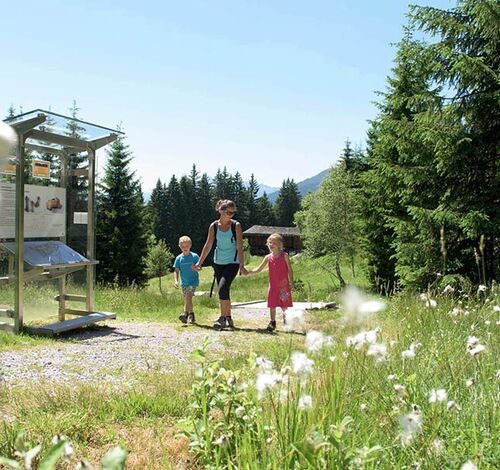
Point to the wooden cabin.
(257, 237)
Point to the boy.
(189, 278)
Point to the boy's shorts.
(188, 290)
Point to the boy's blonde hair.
(277, 238)
(185, 239)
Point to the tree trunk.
(337, 269)
(159, 282)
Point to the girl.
(228, 257)
(280, 278)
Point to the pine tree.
(265, 211)
(122, 232)
(287, 203)
(158, 261)
(252, 191)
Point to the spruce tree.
(252, 191)
(122, 232)
(287, 203)
(265, 211)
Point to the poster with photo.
(44, 211)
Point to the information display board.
(44, 211)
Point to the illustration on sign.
(44, 211)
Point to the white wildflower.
(358, 307)
(456, 312)
(423, 296)
(305, 402)
(240, 411)
(294, 320)
(452, 405)
(392, 343)
(497, 374)
(472, 340)
(496, 308)
(468, 466)
(438, 396)
(362, 407)
(315, 341)
(392, 377)
(411, 425)
(476, 349)
(448, 290)
(301, 364)
(436, 447)
(487, 322)
(379, 350)
(345, 354)
(362, 338)
(266, 381)
(400, 390)
(221, 441)
(264, 364)
(332, 358)
(481, 288)
(470, 382)
(431, 303)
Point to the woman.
(229, 258)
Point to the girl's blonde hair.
(224, 204)
(276, 237)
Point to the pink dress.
(279, 294)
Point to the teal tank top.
(226, 248)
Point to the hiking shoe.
(229, 323)
(272, 326)
(190, 318)
(183, 317)
(220, 323)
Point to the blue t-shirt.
(184, 264)
(226, 248)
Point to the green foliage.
(328, 217)
(158, 261)
(60, 450)
(122, 232)
(430, 197)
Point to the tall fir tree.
(122, 232)
(287, 203)
(265, 211)
(252, 191)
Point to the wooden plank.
(72, 311)
(9, 327)
(71, 298)
(67, 325)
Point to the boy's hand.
(243, 270)
(196, 267)
(176, 284)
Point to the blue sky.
(266, 87)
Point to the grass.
(144, 419)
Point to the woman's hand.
(197, 266)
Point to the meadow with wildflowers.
(410, 381)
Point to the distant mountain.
(266, 189)
(307, 186)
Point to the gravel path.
(116, 351)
